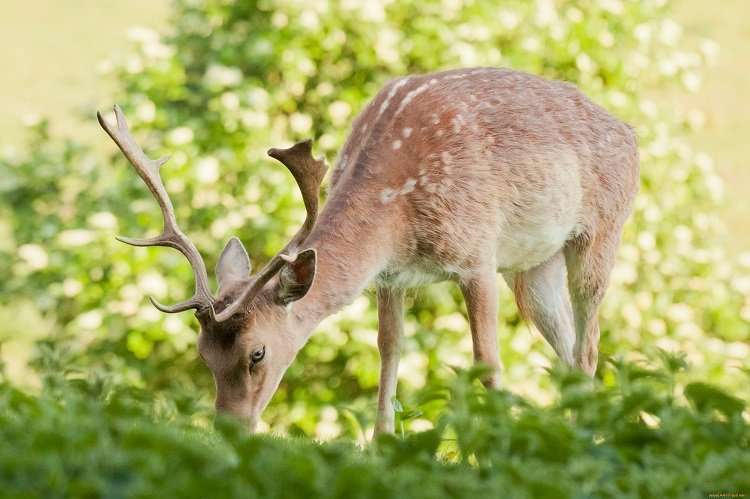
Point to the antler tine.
(308, 172)
(171, 236)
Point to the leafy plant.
(626, 439)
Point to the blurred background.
(215, 83)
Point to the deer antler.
(171, 236)
(308, 172)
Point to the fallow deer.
(454, 175)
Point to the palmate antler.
(307, 171)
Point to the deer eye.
(257, 355)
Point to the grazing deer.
(453, 175)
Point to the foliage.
(634, 437)
(234, 78)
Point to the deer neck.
(352, 247)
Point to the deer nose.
(227, 409)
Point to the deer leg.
(390, 332)
(542, 297)
(480, 295)
(589, 262)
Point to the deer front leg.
(390, 332)
(480, 295)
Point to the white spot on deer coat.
(410, 96)
(408, 186)
(390, 95)
(406, 132)
(387, 195)
(396, 144)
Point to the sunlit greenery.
(631, 438)
(233, 78)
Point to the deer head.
(247, 336)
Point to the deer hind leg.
(542, 297)
(480, 295)
(589, 261)
(390, 332)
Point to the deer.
(456, 175)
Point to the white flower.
(279, 19)
(258, 98)
(606, 38)
(146, 111)
(452, 322)
(643, 33)
(90, 320)
(509, 19)
(625, 274)
(207, 169)
(646, 241)
(327, 427)
(670, 32)
(306, 66)
(466, 54)
(657, 327)
(545, 12)
(75, 237)
(372, 11)
(386, 46)
(339, 112)
(152, 283)
(142, 34)
(173, 325)
(103, 220)
(254, 119)
(134, 65)
(71, 287)
(180, 135)
(300, 123)
(573, 14)
(679, 312)
(692, 81)
(614, 6)
(585, 63)
(222, 76)
(413, 368)
(531, 44)
(230, 100)
(742, 284)
(618, 99)
(309, 20)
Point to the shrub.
(632, 438)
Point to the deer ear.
(233, 263)
(296, 276)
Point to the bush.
(234, 78)
(632, 438)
